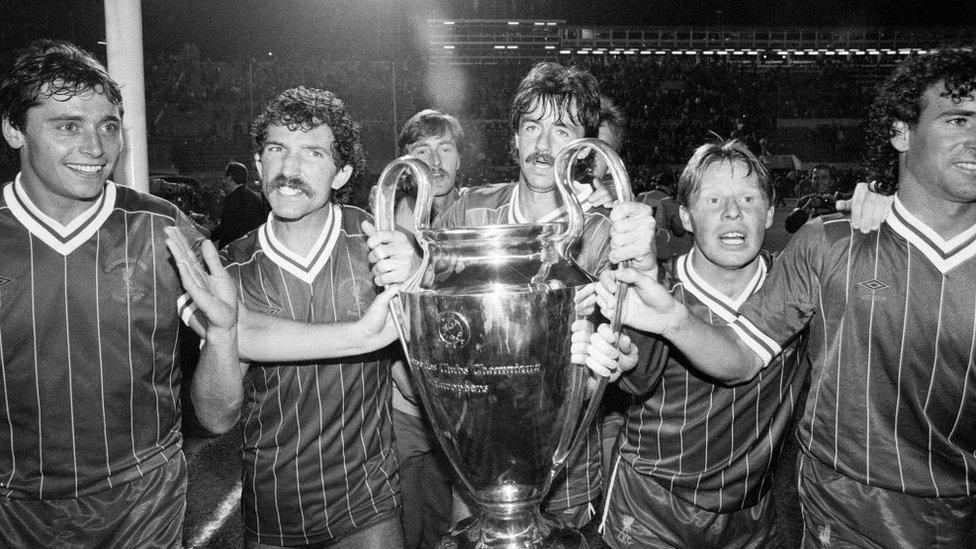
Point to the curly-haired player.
(888, 449)
(319, 463)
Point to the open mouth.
(967, 166)
(732, 238)
(86, 169)
(289, 191)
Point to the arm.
(715, 350)
(216, 388)
(262, 337)
(265, 338)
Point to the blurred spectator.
(243, 209)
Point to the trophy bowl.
(486, 328)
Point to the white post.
(123, 37)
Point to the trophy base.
(532, 531)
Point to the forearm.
(713, 349)
(264, 338)
(217, 387)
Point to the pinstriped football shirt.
(88, 339)
(714, 446)
(318, 442)
(892, 318)
(580, 482)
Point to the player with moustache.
(553, 106)
(319, 462)
(887, 456)
(694, 463)
(433, 137)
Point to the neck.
(946, 218)
(730, 282)
(535, 205)
(441, 203)
(299, 235)
(61, 209)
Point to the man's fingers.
(368, 228)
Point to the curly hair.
(562, 88)
(900, 99)
(52, 68)
(732, 151)
(305, 109)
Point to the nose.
(291, 164)
(731, 209)
(435, 159)
(544, 143)
(92, 144)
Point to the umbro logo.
(4, 281)
(874, 285)
(273, 311)
(5, 287)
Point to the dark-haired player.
(89, 397)
(319, 463)
(689, 447)
(553, 106)
(888, 445)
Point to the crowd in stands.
(199, 109)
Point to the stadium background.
(792, 79)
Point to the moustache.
(294, 182)
(542, 157)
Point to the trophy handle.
(384, 213)
(625, 193)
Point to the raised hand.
(393, 256)
(868, 208)
(582, 329)
(377, 322)
(212, 289)
(610, 354)
(648, 305)
(632, 235)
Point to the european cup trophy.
(485, 325)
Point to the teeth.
(967, 165)
(84, 168)
(289, 191)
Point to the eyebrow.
(80, 118)
(958, 112)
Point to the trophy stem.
(511, 526)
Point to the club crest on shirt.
(126, 281)
(873, 289)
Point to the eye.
(68, 127)
(530, 128)
(447, 149)
(316, 154)
(272, 149)
(111, 128)
(562, 132)
(959, 121)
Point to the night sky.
(225, 29)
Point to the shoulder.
(488, 193)
(133, 201)
(352, 219)
(242, 249)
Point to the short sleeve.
(782, 308)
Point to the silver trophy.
(485, 325)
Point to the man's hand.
(648, 305)
(393, 256)
(212, 290)
(585, 300)
(376, 323)
(582, 329)
(401, 377)
(632, 235)
(603, 196)
(605, 359)
(868, 209)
